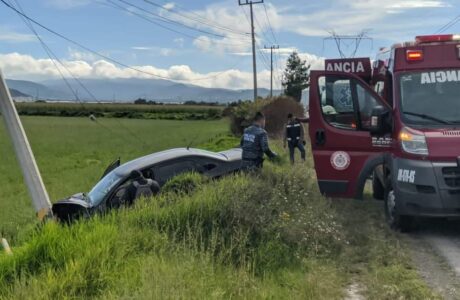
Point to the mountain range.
(127, 90)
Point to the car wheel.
(394, 219)
(378, 190)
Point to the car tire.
(395, 220)
(378, 190)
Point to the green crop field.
(122, 110)
(72, 153)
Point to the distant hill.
(37, 90)
(17, 94)
(124, 90)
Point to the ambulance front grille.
(452, 176)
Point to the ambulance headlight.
(413, 142)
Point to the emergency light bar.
(437, 38)
(414, 55)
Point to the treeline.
(131, 111)
(142, 101)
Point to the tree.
(296, 76)
(140, 101)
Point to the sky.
(203, 42)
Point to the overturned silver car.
(160, 166)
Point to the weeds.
(261, 236)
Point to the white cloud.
(166, 52)
(409, 4)
(351, 17)
(155, 50)
(315, 62)
(67, 4)
(225, 20)
(141, 48)
(7, 35)
(80, 55)
(222, 45)
(26, 67)
(316, 18)
(169, 6)
(179, 42)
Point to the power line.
(53, 57)
(171, 21)
(277, 56)
(262, 30)
(112, 4)
(102, 55)
(264, 58)
(449, 24)
(269, 61)
(48, 51)
(342, 39)
(200, 19)
(269, 24)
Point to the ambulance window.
(346, 103)
(337, 102)
(367, 103)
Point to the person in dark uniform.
(294, 136)
(254, 143)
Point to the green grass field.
(72, 154)
(270, 236)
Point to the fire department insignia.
(340, 160)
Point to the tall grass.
(269, 235)
(72, 154)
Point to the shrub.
(241, 115)
(275, 109)
(276, 112)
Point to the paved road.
(436, 252)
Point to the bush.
(276, 112)
(275, 109)
(241, 116)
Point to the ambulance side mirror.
(379, 120)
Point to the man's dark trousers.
(292, 146)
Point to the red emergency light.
(414, 55)
(437, 38)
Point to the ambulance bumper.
(427, 189)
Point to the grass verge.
(269, 235)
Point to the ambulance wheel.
(378, 190)
(395, 220)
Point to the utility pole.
(271, 66)
(24, 153)
(254, 64)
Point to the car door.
(344, 150)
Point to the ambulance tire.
(378, 190)
(395, 220)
